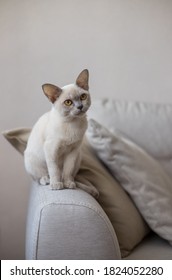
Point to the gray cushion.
(151, 248)
(140, 175)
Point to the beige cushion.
(18, 138)
(128, 224)
(139, 174)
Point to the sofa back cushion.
(139, 174)
(148, 125)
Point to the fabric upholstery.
(18, 138)
(124, 216)
(147, 124)
(140, 175)
(68, 224)
(151, 248)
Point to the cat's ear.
(82, 80)
(51, 91)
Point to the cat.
(53, 152)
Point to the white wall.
(126, 45)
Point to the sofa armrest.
(68, 224)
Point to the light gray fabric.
(68, 224)
(152, 248)
(147, 124)
(139, 174)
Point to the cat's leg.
(54, 164)
(70, 168)
(37, 168)
(44, 180)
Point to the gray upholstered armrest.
(68, 224)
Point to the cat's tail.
(89, 189)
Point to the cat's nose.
(80, 107)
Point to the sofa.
(127, 211)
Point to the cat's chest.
(67, 132)
(72, 133)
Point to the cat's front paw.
(70, 185)
(45, 180)
(57, 186)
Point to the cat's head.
(71, 100)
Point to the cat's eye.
(68, 102)
(83, 96)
